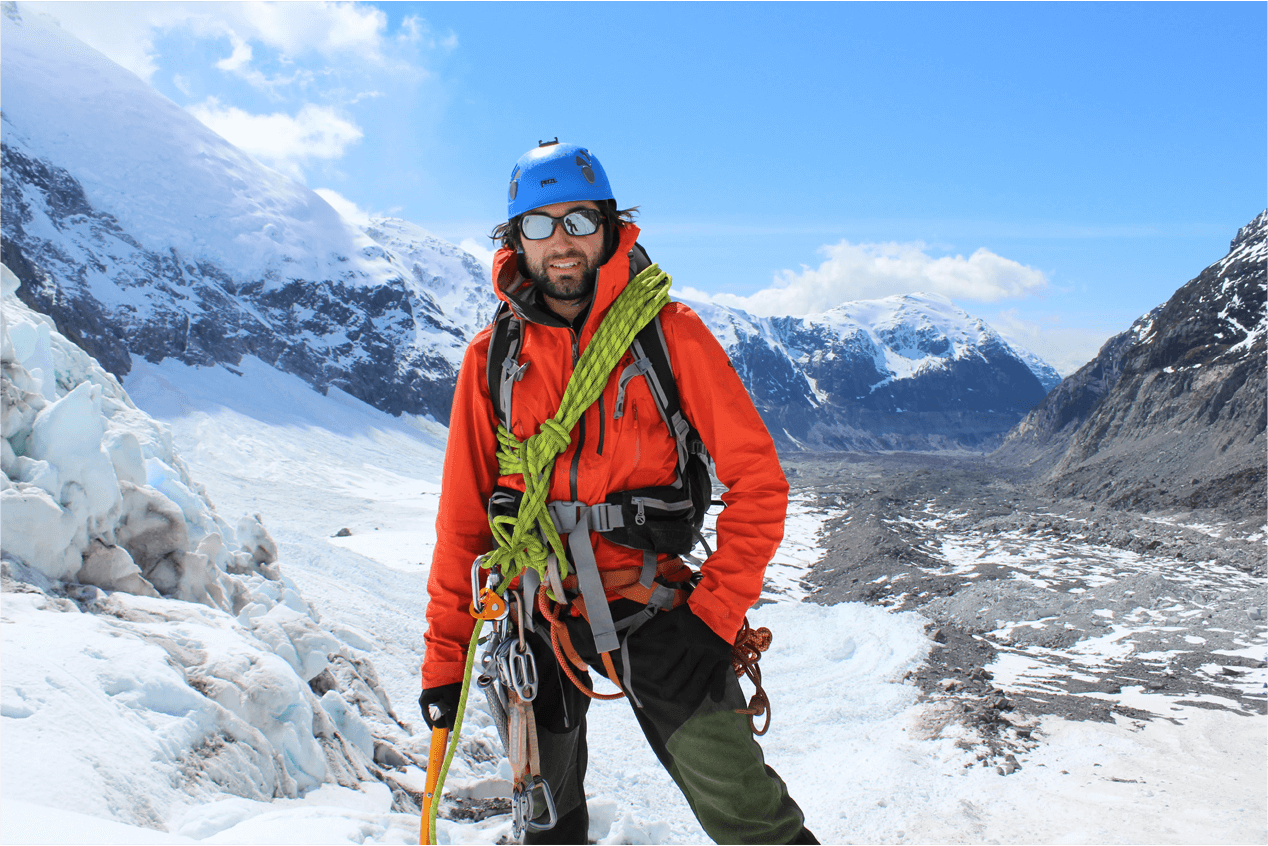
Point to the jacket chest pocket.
(634, 419)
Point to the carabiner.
(522, 808)
(497, 607)
(517, 669)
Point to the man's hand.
(440, 705)
(680, 656)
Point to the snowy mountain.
(904, 372)
(1171, 411)
(143, 233)
(112, 701)
(454, 278)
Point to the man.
(567, 252)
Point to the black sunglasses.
(536, 226)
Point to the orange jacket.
(633, 451)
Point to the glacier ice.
(165, 639)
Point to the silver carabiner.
(475, 583)
(517, 669)
(522, 808)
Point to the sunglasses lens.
(535, 227)
(580, 223)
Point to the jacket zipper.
(638, 442)
(602, 425)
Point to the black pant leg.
(559, 711)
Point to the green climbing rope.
(519, 538)
(526, 539)
(457, 722)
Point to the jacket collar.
(521, 294)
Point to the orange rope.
(749, 645)
(543, 602)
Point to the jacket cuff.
(442, 673)
(716, 614)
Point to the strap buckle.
(605, 517)
(567, 515)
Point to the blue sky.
(1057, 169)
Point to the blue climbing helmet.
(555, 173)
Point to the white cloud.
(481, 252)
(1066, 348)
(327, 28)
(353, 34)
(871, 271)
(347, 209)
(240, 57)
(282, 142)
(123, 32)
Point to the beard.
(575, 284)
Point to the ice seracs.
(170, 644)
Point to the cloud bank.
(284, 142)
(871, 271)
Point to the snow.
(215, 582)
(164, 199)
(184, 714)
(457, 281)
(867, 761)
(229, 208)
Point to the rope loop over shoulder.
(527, 539)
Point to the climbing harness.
(529, 542)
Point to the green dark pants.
(706, 747)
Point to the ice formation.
(171, 636)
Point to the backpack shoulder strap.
(650, 345)
(503, 368)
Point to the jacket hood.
(521, 294)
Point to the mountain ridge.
(1172, 411)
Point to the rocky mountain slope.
(1172, 411)
(141, 232)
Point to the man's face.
(564, 266)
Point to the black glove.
(678, 655)
(445, 700)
